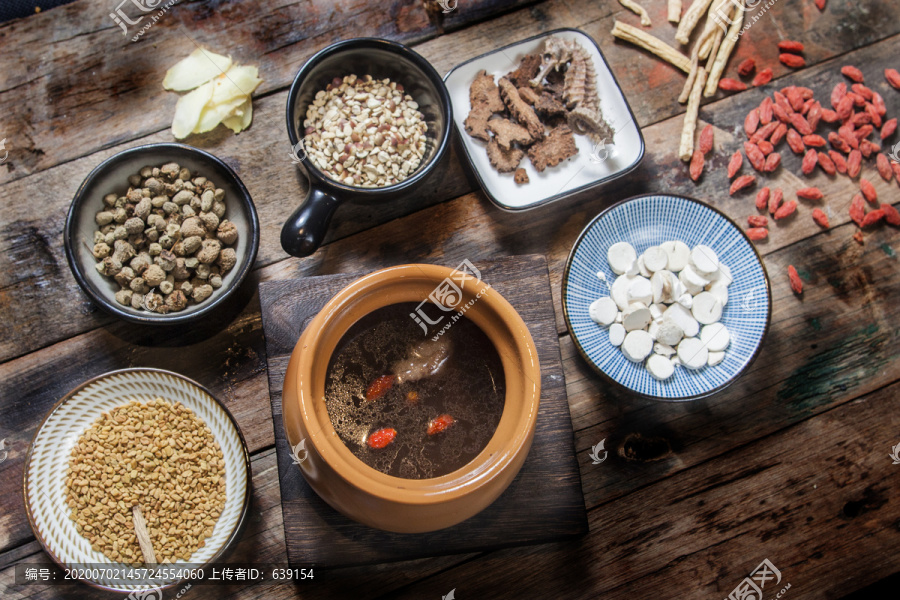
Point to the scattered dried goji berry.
(734, 165)
(790, 46)
(846, 133)
(844, 109)
(893, 77)
(878, 103)
(766, 147)
(746, 67)
(820, 218)
(884, 167)
(857, 209)
(809, 161)
(839, 163)
(795, 142)
(837, 94)
(868, 190)
(785, 210)
(829, 116)
(778, 134)
(755, 156)
(863, 91)
(820, 4)
(801, 124)
(796, 282)
(705, 143)
(696, 167)
(810, 193)
(439, 424)
(379, 387)
(728, 84)
(861, 118)
(765, 111)
(381, 438)
(757, 233)
(838, 142)
(805, 92)
(891, 215)
(763, 132)
(775, 200)
(852, 73)
(765, 76)
(858, 101)
(814, 115)
(872, 218)
(804, 110)
(863, 132)
(888, 129)
(794, 97)
(814, 140)
(781, 114)
(772, 162)
(826, 163)
(742, 182)
(792, 60)
(751, 122)
(854, 164)
(762, 198)
(757, 221)
(874, 117)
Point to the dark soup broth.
(411, 404)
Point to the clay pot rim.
(488, 464)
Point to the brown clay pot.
(370, 496)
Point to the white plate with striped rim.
(650, 220)
(48, 460)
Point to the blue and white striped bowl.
(647, 221)
(48, 460)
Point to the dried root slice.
(638, 10)
(674, 11)
(724, 53)
(690, 20)
(195, 70)
(686, 148)
(189, 108)
(652, 44)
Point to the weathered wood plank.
(807, 498)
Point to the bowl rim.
(596, 368)
(404, 53)
(239, 526)
(562, 195)
(109, 305)
(435, 490)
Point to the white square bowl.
(579, 172)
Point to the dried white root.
(638, 10)
(675, 7)
(724, 53)
(652, 44)
(686, 149)
(690, 20)
(196, 69)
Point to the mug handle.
(305, 229)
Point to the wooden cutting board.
(543, 504)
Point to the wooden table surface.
(790, 464)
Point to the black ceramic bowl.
(111, 176)
(305, 229)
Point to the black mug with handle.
(305, 229)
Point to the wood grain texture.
(543, 503)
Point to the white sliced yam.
(237, 82)
(621, 257)
(188, 110)
(683, 318)
(660, 367)
(719, 289)
(693, 281)
(686, 300)
(656, 311)
(692, 353)
(199, 67)
(676, 362)
(616, 334)
(619, 291)
(669, 332)
(637, 345)
(603, 311)
(639, 290)
(240, 118)
(655, 259)
(662, 284)
(723, 274)
(706, 309)
(715, 358)
(653, 329)
(642, 268)
(637, 316)
(716, 337)
(663, 349)
(678, 254)
(704, 260)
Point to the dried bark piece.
(523, 113)
(505, 161)
(528, 68)
(506, 132)
(521, 176)
(477, 121)
(556, 147)
(484, 91)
